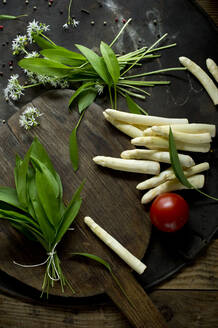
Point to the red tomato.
(169, 212)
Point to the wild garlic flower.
(65, 26)
(99, 88)
(35, 28)
(18, 44)
(33, 54)
(74, 22)
(14, 89)
(28, 118)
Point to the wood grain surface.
(190, 299)
(108, 198)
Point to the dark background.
(196, 38)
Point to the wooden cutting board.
(109, 197)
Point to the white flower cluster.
(14, 89)
(99, 88)
(33, 54)
(72, 22)
(35, 28)
(18, 44)
(28, 118)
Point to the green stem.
(157, 72)
(115, 96)
(203, 193)
(44, 36)
(121, 31)
(144, 53)
(163, 47)
(80, 119)
(144, 83)
(69, 10)
(21, 16)
(110, 95)
(131, 93)
(135, 88)
(32, 85)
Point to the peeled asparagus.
(190, 128)
(197, 181)
(159, 143)
(143, 119)
(213, 68)
(169, 175)
(111, 242)
(129, 165)
(154, 155)
(126, 128)
(203, 78)
(193, 138)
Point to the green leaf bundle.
(37, 210)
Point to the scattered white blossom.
(14, 89)
(35, 28)
(33, 54)
(72, 22)
(65, 26)
(28, 118)
(99, 88)
(18, 44)
(75, 22)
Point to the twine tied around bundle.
(50, 260)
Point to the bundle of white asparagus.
(152, 132)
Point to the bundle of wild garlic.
(60, 67)
(36, 208)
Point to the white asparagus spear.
(143, 119)
(129, 165)
(190, 128)
(202, 76)
(155, 155)
(212, 67)
(193, 138)
(119, 249)
(159, 143)
(196, 180)
(169, 175)
(126, 128)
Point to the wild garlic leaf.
(134, 107)
(48, 192)
(42, 43)
(9, 196)
(74, 152)
(73, 146)
(46, 227)
(110, 61)
(7, 17)
(10, 17)
(177, 168)
(20, 173)
(64, 56)
(97, 63)
(70, 213)
(79, 90)
(174, 158)
(39, 152)
(95, 258)
(108, 267)
(14, 215)
(45, 67)
(86, 98)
